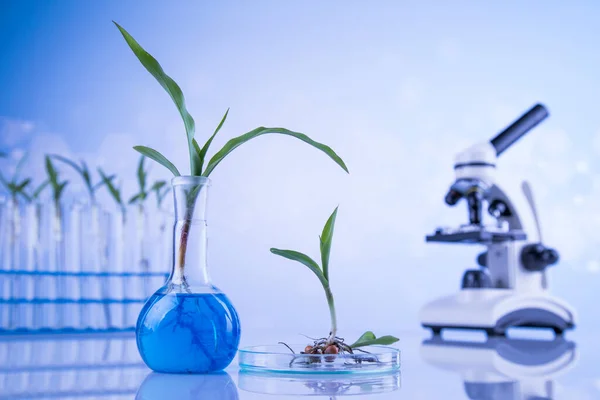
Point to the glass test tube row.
(78, 267)
(62, 368)
(83, 238)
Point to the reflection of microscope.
(503, 369)
(510, 288)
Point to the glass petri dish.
(279, 359)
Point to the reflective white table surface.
(459, 365)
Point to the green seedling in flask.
(199, 166)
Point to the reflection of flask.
(188, 325)
(216, 386)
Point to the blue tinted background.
(397, 88)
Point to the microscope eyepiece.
(520, 127)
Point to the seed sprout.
(84, 171)
(331, 344)
(197, 154)
(15, 186)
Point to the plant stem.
(330, 302)
(185, 233)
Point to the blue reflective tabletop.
(459, 365)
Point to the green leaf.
(23, 184)
(197, 150)
(171, 88)
(136, 198)
(61, 188)
(36, 193)
(19, 166)
(70, 163)
(86, 176)
(159, 158)
(238, 141)
(141, 174)
(209, 141)
(103, 182)
(368, 339)
(303, 259)
(81, 170)
(114, 191)
(25, 196)
(52, 174)
(158, 185)
(325, 241)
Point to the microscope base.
(496, 310)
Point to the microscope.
(510, 287)
(502, 368)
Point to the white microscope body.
(510, 288)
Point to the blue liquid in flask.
(188, 332)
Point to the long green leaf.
(369, 339)
(81, 170)
(238, 141)
(171, 88)
(304, 259)
(159, 158)
(204, 149)
(325, 241)
(70, 163)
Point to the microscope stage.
(475, 236)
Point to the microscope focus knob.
(536, 257)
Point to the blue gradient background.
(396, 88)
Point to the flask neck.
(190, 269)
